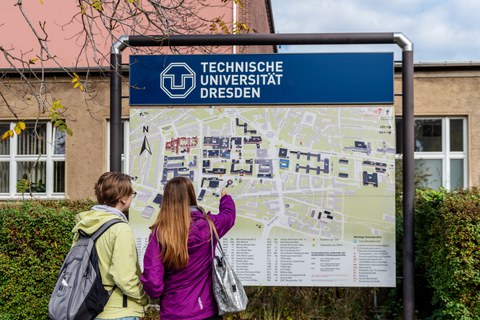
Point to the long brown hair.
(173, 222)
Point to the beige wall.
(436, 93)
(86, 148)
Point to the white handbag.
(227, 288)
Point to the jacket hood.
(90, 221)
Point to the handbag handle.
(213, 231)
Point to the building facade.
(446, 99)
(45, 163)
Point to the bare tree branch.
(95, 26)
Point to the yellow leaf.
(5, 135)
(75, 77)
(32, 61)
(17, 129)
(97, 4)
(76, 81)
(22, 125)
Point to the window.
(33, 162)
(125, 146)
(440, 151)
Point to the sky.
(441, 30)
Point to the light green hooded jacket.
(118, 262)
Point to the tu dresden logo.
(177, 80)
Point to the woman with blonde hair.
(178, 260)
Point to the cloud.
(441, 30)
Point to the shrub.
(34, 239)
(428, 204)
(447, 256)
(454, 266)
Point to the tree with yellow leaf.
(92, 26)
(54, 78)
(19, 127)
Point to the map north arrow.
(146, 146)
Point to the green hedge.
(34, 238)
(449, 251)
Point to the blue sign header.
(236, 79)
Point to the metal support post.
(408, 188)
(294, 39)
(116, 103)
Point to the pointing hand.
(224, 192)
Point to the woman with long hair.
(178, 260)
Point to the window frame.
(125, 157)
(445, 155)
(13, 158)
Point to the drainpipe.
(234, 23)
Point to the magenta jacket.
(187, 293)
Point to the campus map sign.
(314, 186)
(326, 78)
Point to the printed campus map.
(314, 186)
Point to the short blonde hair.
(111, 187)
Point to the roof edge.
(104, 71)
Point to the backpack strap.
(94, 236)
(104, 228)
(125, 301)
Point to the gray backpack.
(79, 293)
